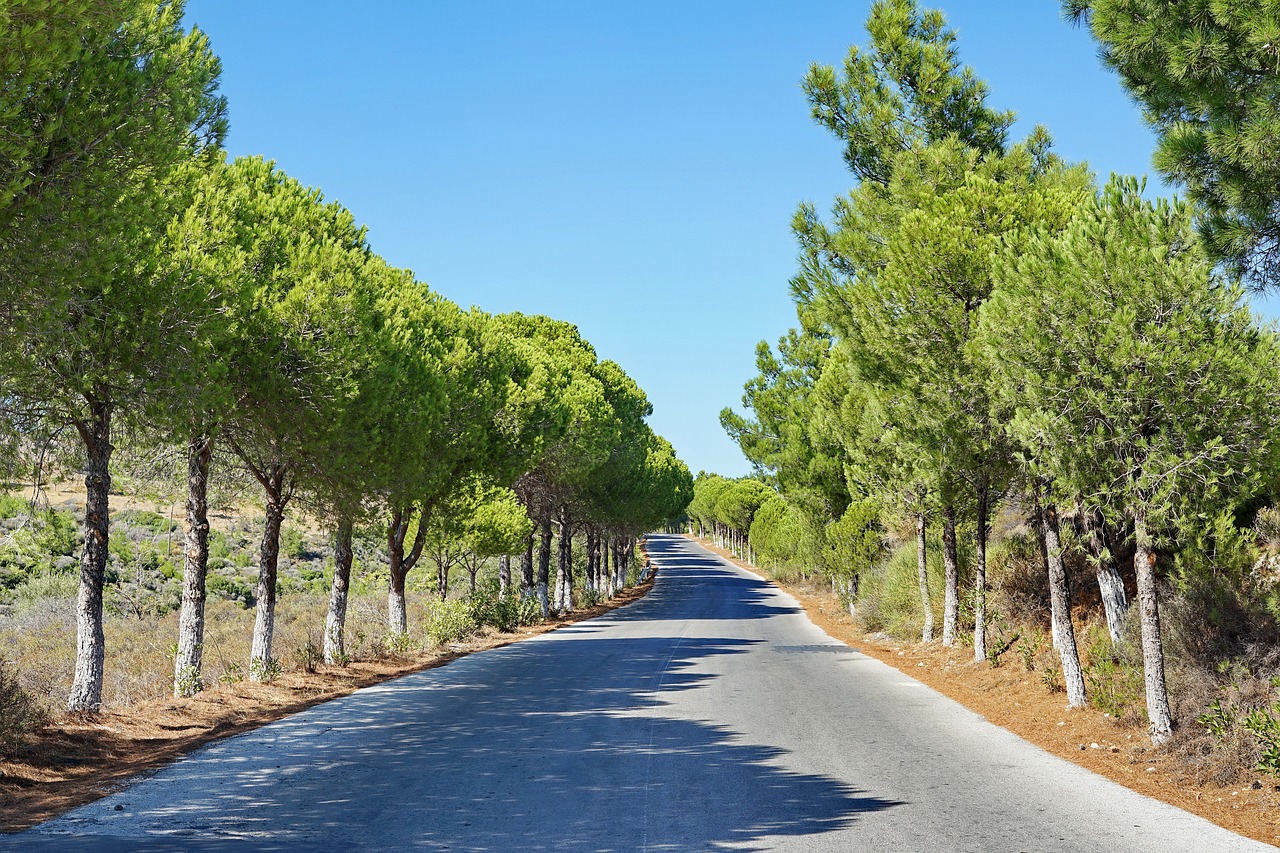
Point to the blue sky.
(629, 167)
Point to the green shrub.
(1113, 674)
(889, 592)
(448, 621)
(231, 587)
(265, 670)
(145, 519)
(14, 506)
(503, 612)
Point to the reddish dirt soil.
(81, 757)
(1015, 699)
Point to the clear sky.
(631, 167)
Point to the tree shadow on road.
(562, 743)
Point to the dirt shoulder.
(1015, 699)
(81, 757)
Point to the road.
(710, 715)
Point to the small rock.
(920, 664)
(1061, 722)
(1257, 786)
(1081, 747)
(119, 808)
(1094, 746)
(1151, 770)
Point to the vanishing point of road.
(709, 715)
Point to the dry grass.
(81, 757)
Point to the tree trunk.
(1060, 595)
(606, 576)
(335, 621)
(188, 664)
(86, 687)
(591, 581)
(442, 576)
(526, 569)
(1110, 585)
(626, 546)
(264, 622)
(397, 529)
(951, 570)
(1055, 630)
(564, 566)
(980, 583)
(544, 564)
(504, 574)
(1144, 564)
(922, 574)
(400, 563)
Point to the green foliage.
(448, 621)
(1136, 380)
(1205, 74)
(265, 670)
(231, 587)
(140, 518)
(503, 612)
(1263, 724)
(187, 682)
(1113, 675)
(854, 543)
(905, 90)
(889, 593)
(309, 655)
(292, 544)
(1003, 637)
(41, 543)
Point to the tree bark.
(264, 622)
(980, 583)
(86, 687)
(605, 574)
(526, 569)
(1060, 596)
(1115, 605)
(443, 567)
(544, 564)
(922, 576)
(951, 570)
(1144, 564)
(623, 563)
(335, 621)
(188, 664)
(591, 581)
(401, 563)
(564, 565)
(1043, 536)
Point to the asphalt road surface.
(710, 715)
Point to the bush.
(1113, 674)
(1019, 583)
(889, 593)
(20, 713)
(157, 524)
(448, 621)
(503, 612)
